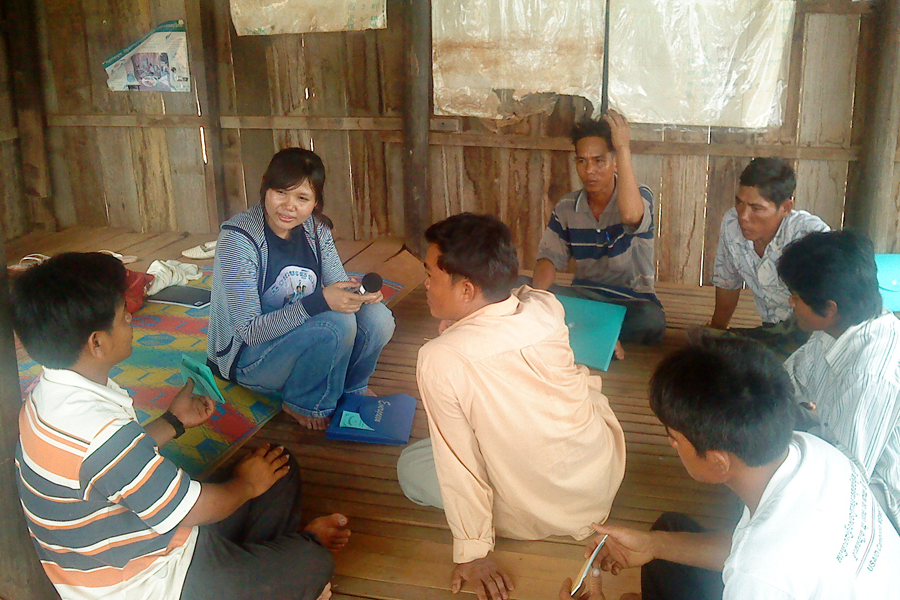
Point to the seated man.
(607, 227)
(849, 370)
(753, 235)
(810, 527)
(109, 516)
(522, 441)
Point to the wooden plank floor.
(402, 551)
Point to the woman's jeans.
(312, 366)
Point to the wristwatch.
(175, 422)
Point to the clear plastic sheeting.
(700, 62)
(270, 17)
(509, 58)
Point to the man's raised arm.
(631, 205)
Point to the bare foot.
(619, 352)
(326, 593)
(331, 530)
(314, 423)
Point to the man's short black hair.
(837, 266)
(478, 248)
(726, 394)
(592, 128)
(58, 304)
(773, 177)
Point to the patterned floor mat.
(152, 375)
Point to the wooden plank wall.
(14, 217)
(341, 94)
(111, 165)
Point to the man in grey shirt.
(607, 228)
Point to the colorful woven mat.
(152, 375)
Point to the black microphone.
(371, 283)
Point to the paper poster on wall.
(268, 17)
(158, 62)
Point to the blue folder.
(594, 329)
(889, 280)
(373, 419)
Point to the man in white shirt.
(811, 528)
(848, 373)
(753, 235)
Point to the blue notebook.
(889, 280)
(594, 328)
(373, 419)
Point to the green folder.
(594, 329)
(204, 381)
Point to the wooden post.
(21, 574)
(25, 62)
(873, 209)
(416, 122)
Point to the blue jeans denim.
(315, 364)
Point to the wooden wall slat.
(829, 77)
(150, 155)
(80, 151)
(117, 167)
(189, 183)
(14, 218)
(371, 216)
(721, 188)
(393, 156)
(821, 187)
(681, 231)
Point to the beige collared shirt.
(524, 442)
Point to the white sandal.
(201, 252)
(28, 261)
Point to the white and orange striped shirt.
(102, 505)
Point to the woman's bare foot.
(332, 531)
(619, 351)
(326, 593)
(314, 423)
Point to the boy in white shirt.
(848, 373)
(810, 529)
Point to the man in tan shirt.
(522, 441)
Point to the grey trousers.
(259, 551)
(418, 476)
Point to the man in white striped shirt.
(848, 373)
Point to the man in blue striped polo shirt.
(109, 516)
(607, 228)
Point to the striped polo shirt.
(102, 505)
(607, 253)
